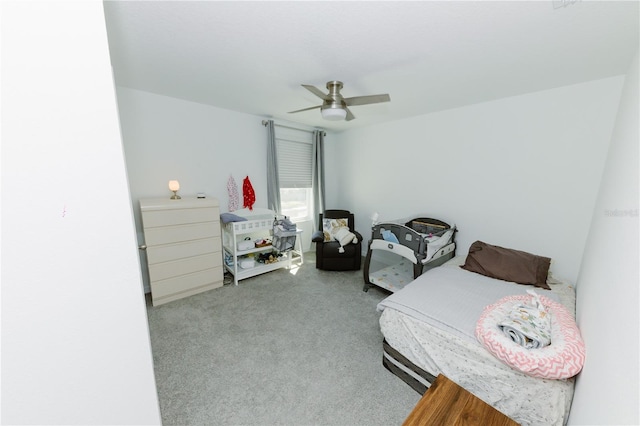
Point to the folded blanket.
(287, 225)
(528, 324)
(435, 243)
(230, 217)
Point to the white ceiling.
(427, 55)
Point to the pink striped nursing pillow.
(562, 359)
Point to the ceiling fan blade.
(319, 93)
(365, 100)
(304, 109)
(349, 116)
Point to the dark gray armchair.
(328, 254)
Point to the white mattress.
(442, 341)
(394, 277)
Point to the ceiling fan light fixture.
(335, 107)
(334, 114)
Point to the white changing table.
(261, 227)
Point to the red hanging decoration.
(248, 194)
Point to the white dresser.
(184, 250)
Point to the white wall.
(199, 145)
(520, 172)
(75, 338)
(607, 292)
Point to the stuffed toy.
(343, 236)
(338, 230)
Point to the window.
(296, 203)
(295, 159)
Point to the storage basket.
(284, 235)
(425, 225)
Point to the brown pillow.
(508, 264)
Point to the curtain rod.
(265, 122)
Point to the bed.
(415, 245)
(429, 328)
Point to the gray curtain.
(317, 171)
(273, 182)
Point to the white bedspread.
(452, 298)
(433, 326)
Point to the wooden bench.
(446, 403)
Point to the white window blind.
(294, 158)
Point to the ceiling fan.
(335, 106)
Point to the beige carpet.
(299, 347)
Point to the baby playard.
(411, 246)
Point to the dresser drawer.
(169, 252)
(155, 218)
(181, 233)
(209, 278)
(164, 270)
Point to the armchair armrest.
(358, 235)
(317, 237)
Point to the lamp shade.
(174, 185)
(334, 114)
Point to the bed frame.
(419, 379)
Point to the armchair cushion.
(338, 230)
(331, 226)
